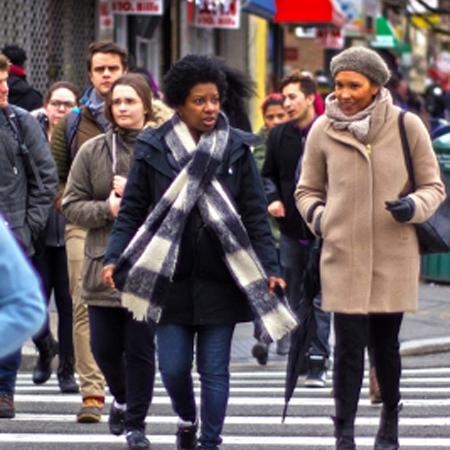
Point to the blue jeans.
(9, 366)
(175, 355)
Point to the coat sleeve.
(269, 170)
(252, 206)
(430, 190)
(134, 208)
(39, 199)
(60, 151)
(310, 193)
(22, 305)
(78, 203)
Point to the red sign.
(148, 7)
(106, 18)
(218, 14)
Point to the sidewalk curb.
(417, 347)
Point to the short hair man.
(285, 147)
(106, 62)
(27, 188)
(21, 93)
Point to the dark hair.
(4, 63)
(59, 85)
(149, 78)
(307, 84)
(240, 88)
(15, 54)
(272, 99)
(190, 71)
(106, 47)
(140, 85)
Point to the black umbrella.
(304, 309)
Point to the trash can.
(437, 267)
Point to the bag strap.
(29, 162)
(406, 149)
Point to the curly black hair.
(188, 72)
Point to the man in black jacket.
(27, 188)
(284, 151)
(21, 93)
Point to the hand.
(57, 201)
(107, 275)
(119, 184)
(402, 210)
(274, 282)
(276, 209)
(114, 203)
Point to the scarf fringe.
(140, 308)
(279, 321)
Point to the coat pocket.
(92, 267)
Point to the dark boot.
(48, 349)
(66, 377)
(387, 436)
(344, 431)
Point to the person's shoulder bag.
(434, 234)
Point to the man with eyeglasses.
(28, 185)
(106, 62)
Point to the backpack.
(29, 163)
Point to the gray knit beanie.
(364, 61)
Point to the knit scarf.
(359, 123)
(148, 263)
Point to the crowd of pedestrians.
(149, 216)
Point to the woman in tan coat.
(355, 193)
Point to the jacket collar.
(161, 159)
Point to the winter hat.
(364, 61)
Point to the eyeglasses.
(59, 103)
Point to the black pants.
(124, 349)
(353, 333)
(51, 264)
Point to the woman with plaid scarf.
(192, 249)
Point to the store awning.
(309, 13)
(262, 8)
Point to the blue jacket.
(22, 305)
(203, 290)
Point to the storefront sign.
(106, 21)
(141, 7)
(218, 14)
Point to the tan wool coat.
(370, 262)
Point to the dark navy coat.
(203, 290)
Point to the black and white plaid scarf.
(153, 252)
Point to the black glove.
(317, 229)
(402, 210)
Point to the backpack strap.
(406, 149)
(30, 164)
(73, 122)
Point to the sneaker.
(91, 410)
(136, 440)
(186, 435)
(317, 372)
(116, 420)
(7, 410)
(261, 352)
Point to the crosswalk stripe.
(297, 441)
(439, 421)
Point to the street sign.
(139, 7)
(213, 14)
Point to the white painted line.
(242, 401)
(253, 420)
(282, 441)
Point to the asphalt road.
(46, 419)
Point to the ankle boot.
(48, 349)
(66, 376)
(344, 431)
(387, 436)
